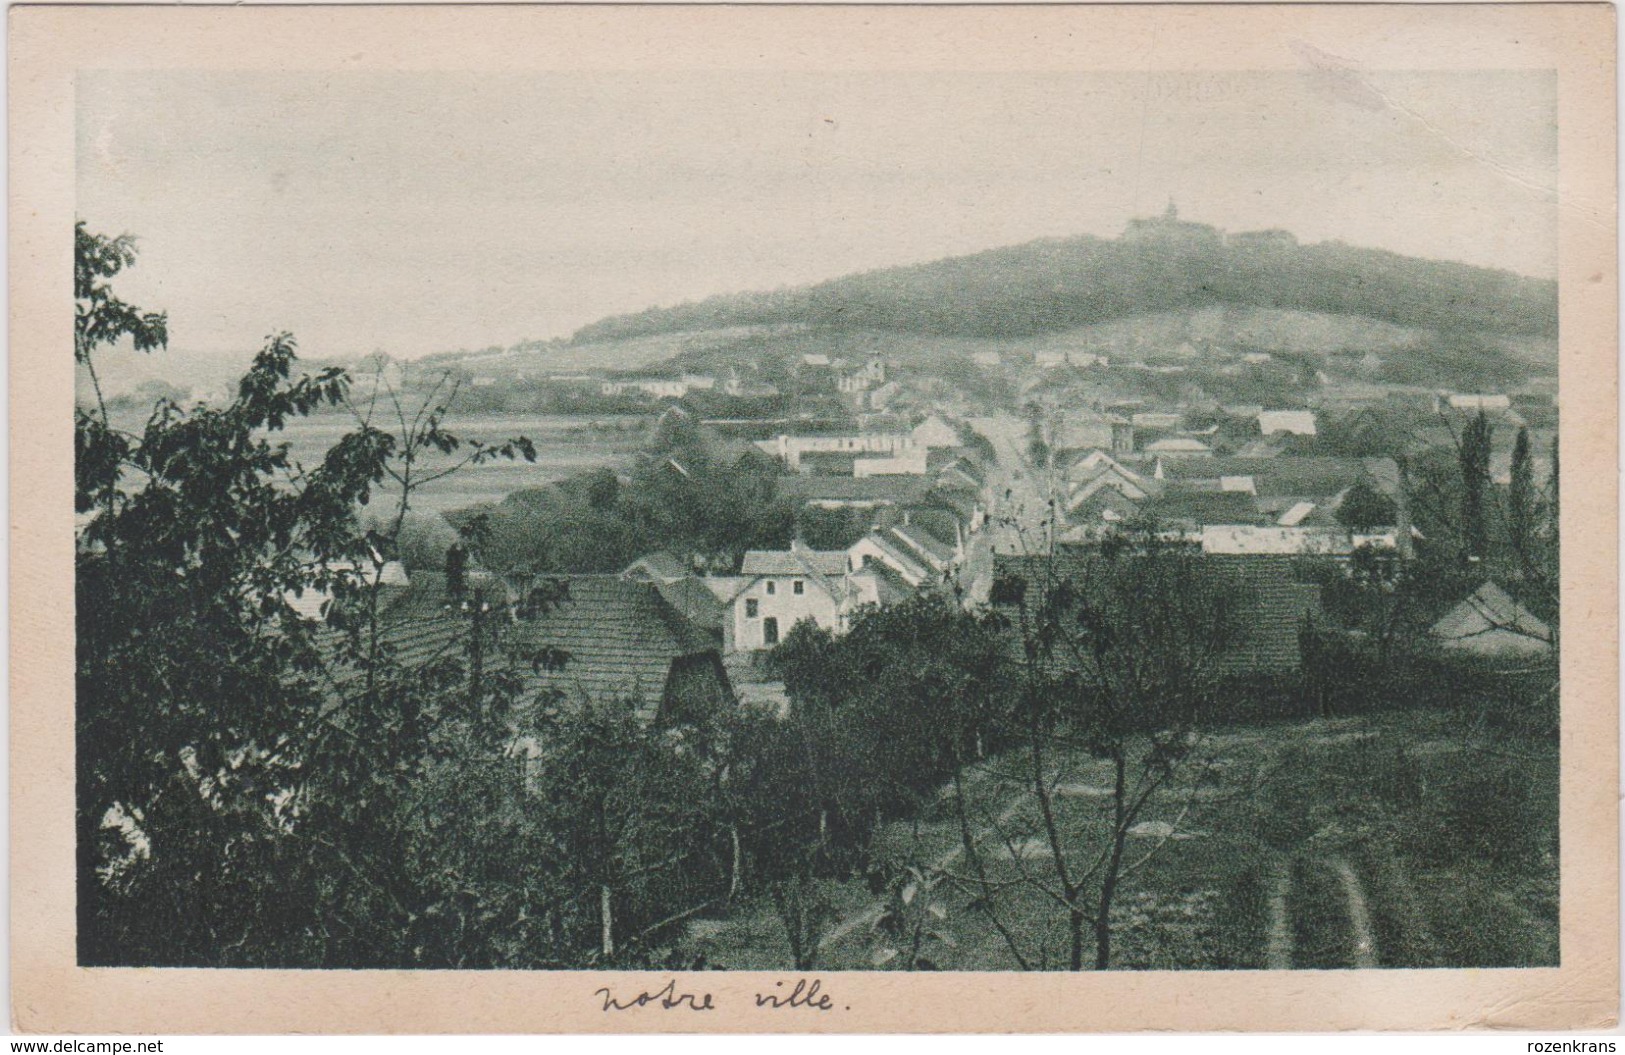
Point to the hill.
(1161, 268)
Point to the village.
(1229, 600)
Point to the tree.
(275, 769)
(1521, 495)
(1122, 647)
(1473, 456)
(1364, 508)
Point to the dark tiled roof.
(621, 638)
(1200, 506)
(894, 489)
(1307, 477)
(1274, 608)
(1271, 605)
(918, 539)
(787, 562)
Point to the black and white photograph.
(818, 520)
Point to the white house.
(784, 587)
(986, 360)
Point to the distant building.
(1472, 402)
(880, 398)
(1274, 238)
(1179, 447)
(1170, 229)
(908, 463)
(934, 432)
(1088, 429)
(1156, 421)
(846, 492)
(789, 448)
(659, 387)
(1295, 422)
(987, 360)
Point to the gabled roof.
(924, 543)
(890, 587)
(660, 566)
(621, 637)
(759, 562)
(1490, 612)
(895, 554)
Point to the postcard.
(814, 518)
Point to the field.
(1394, 841)
(565, 445)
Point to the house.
(789, 449)
(1289, 477)
(1103, 506)
(784, 587)
(986, 360)
(907, 463)
(1295, 422)
(1156, 421)
(658, 387)
(1191, 509)
(1049, 360)
(1088, 429)
(828, 463)
(962, 473)
(1109, 478)
(1300, 540)
(621, 639)
(1464, 401)
(1490, 622)
(847, 492)
(1179, 447)
(1269, 607)
(659, 567)
(606, 637)
(880, 398)
(934, 432)
(881, 548)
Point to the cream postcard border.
(50, 43)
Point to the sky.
(425, 212)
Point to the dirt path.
(1365, 941)
(867, 917)
(1278, 949)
